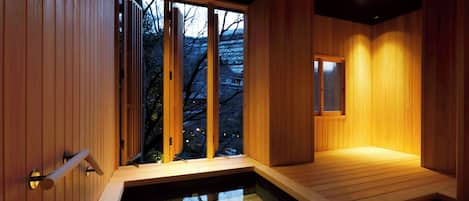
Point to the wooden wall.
(463, 139)
(440, 90)
(396, 83)
(256, 93)
(279, 80)
(383, 64)
(57, 94)
(352, 41)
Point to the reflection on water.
(235, 187)
(233, 195)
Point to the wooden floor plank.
(364, 173)
(341, 175)
(386, 180)
(366, 170)
(411, 193)
(367, 180)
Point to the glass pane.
(316, 86)
(333, 86)
(231, 52)
(195, 82)
(153, 81)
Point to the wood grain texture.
(52, 79)
(280, 82)
(14, 99)
(256, 141)
(68, 94)
(396, 83)
(463, 65)
(201, 168)
(59, 93)
(2, 132)
(132, 126)
(353, 42)
(439, 86)
(368, 173)
(291, 82)
(34, 81)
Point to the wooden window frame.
(170, 125)
(326, 58)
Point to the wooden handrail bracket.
(47, 182)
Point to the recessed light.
(376, 17)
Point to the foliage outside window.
(329, 85)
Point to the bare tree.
(194, 69)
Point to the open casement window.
(131, 83)
(185, 100)
(329, 85)
(174, 82)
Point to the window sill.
(329, 117)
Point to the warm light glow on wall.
(396, 84)
(383, 81)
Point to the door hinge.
(170, 141)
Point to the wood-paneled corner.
(57, 94)
(352, 41)
(396, 83)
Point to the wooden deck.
(342, 175)
(369, 174)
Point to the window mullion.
(212, 84)
(321, 87)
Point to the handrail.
(47, 182)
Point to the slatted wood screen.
(132, 91)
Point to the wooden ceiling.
(363, 11)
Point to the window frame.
(320, 58)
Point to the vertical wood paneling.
(15, 99)
(439, 86)
(69, 90)
(87, 104)
(352, 41)
(291, 81)
(57, 87)
(463, 65)
(257, 138)
(48, 90)
(396, 83)
(76, 91)
(82, 107)
(34, 90)
(284, 116)
(2, 131)
(133, 72)
(59, 93)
